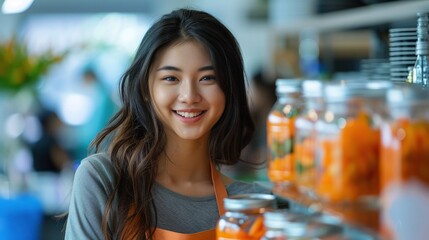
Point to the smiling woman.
(186, 94)
(184, 113)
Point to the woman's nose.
(189, 92)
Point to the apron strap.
(219, 188)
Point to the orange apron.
(220, 193)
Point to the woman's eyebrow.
(206, 68)
(172, 68)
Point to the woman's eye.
(169, 79)
(208, 78)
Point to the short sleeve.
(91, 186)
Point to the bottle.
(421, 66)
(280, 132)
(243, 219)
(404, 163)
(348, 142)
(305, 136)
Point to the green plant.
(19, 68)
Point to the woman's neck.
(185, 168)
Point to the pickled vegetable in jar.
(280, 131)
(405, 151)
(405, 136)
(305, 136)
(405, 163)
(348, 142)
(243, 219)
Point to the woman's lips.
(189, 116)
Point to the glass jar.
(280, 132)
(305, 136)
(348, 142)
(243, 218)
(404, 164)
(285, 225)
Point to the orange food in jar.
(350, 162)
(253, 230)
(405, 152)
(305, 163)
(243, 217)
(280, 140)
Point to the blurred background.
(60, 63)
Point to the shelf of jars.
(356, 151)
(357, 221)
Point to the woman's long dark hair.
(136, 137)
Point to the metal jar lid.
(249, 201)
(284, 85)
(279, 218)
(312, 88)
(407, 94)
(300, 225)
(343, 90)
(309, 228)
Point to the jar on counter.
(305, 136)
(348, 142)
(405, 163)
(280, 132)
(243, 219)
(285, 225)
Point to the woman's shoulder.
(97, 167)
(98, 161)
(242, 187)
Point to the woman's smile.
(188, 114)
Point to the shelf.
(359, 222)
(358, 17)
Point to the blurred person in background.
(184, 114)
(262, 99)
(97, 111)
(48, 154)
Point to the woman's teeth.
(189, 114)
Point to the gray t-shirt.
(176, 212)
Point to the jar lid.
(288, 85)
(280, 217)
(302, 225)
(249, 201)
(312, 88)
(343, 90)
(406, 94)
(311, 228)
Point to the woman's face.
(184, 91)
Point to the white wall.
(252, 36)
(8, 25)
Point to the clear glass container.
(348, 142)
(421, 66)
(280, 132)
(243, 219)
(404, 164)
(285, 225)
(305, 136)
